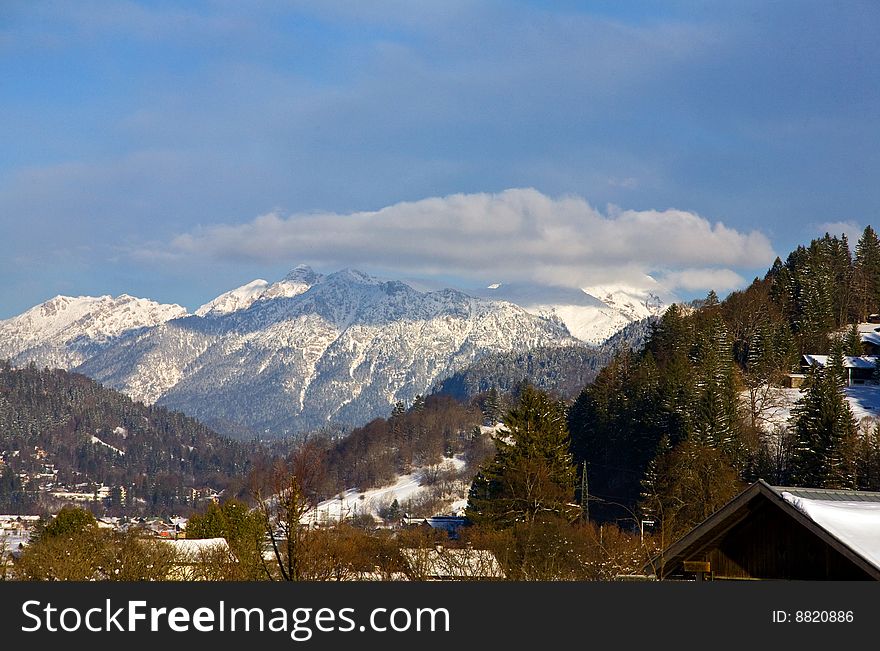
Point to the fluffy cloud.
(690, 280)
(515, 235)
(851, 229)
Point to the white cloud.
(516, 235)
(851, 229)
(691, 280)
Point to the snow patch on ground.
(353, 502)
(864, 401)
(95, 440)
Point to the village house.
(859, 370)
(776, 532)
(194, 558)
(448, 523)
(441, 563)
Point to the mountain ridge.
(308, 351)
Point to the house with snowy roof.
(778, 532)
(195, 559)
(859, 370)
(441, 563)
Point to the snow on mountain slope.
(406, 489)
(296, 282)
(592, 314)
(342, 351)
(309, 350)
(236, 299)
(65, 331)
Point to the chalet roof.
(867, 362)
(855, 523)
(848, 521)
(826, 494)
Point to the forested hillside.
(62, 430)
(673, 431)
(563, 371)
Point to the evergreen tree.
(868, 459)
(866, 275)
(837, 363)
(852, 342)
(242, 528)
(824, 432)
(715, 418)
(532, 476)
(491, 407)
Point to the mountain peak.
(302, 273)
(354, 276)
(236, 299)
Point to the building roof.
(867, 362)
(855, 523)
(192, 550)
(848, 521)
(444, 563)
(826, 494)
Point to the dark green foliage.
(242, 528)
(531, 478)
(491, 407)
(374, 454)
(867, 459)
(166, 453)
(13, 496)
(813, 290)
(866, 275)
(824, 433)
(852, 343)
(392, 513)
(68, 521)
(699, 389)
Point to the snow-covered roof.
(846, 520)
(193, 549)
(444, 563)
(855, 522)
(866, 362)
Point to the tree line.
(674, 431)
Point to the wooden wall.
(769, 544)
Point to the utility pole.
(585, 494)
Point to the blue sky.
(177, 149)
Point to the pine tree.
(715, 418)
(837, 363)
(852, 342)
(532, 476)
(866, 275)
(868, 459)
(824, 433)
(491, 407)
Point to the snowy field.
(353, 503)
(863, 399)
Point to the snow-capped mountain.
(592, 314)
(65, 331)
(236, 299)
(296, 282)
(289, 356)
(308, 350)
